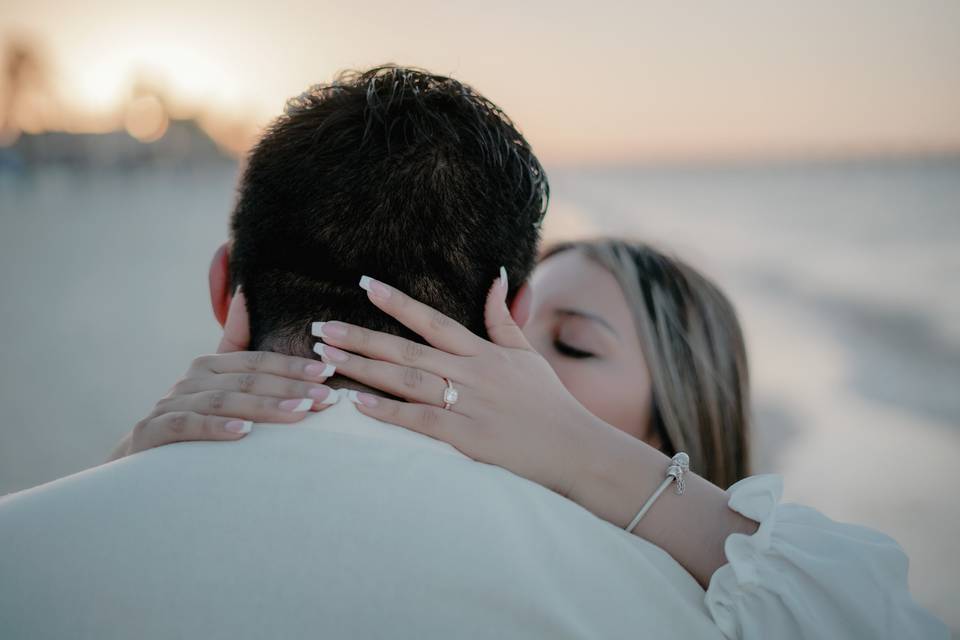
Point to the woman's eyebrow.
(589, 316)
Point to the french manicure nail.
(503, 279)
(320, 392)
(297, 406)
(331, 353)
(322, 370)
(330, 398)
(332, 329)
(238, 426)
(376, 288)
(365, 399)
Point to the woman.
(646, 345)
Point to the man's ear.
(220, 283)
(521, 305)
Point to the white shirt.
(345, 527)
(337, 527)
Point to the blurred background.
(806, 155)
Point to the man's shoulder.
(337, 436)
(290, 517)
(137, 478)
(275, 461)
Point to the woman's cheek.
(611, 395)
(604, 393)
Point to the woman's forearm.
(620, 472)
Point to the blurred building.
(182, 142)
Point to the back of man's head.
(411, 178)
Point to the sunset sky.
(587, 81)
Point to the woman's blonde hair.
(694, 351)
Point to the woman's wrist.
(616, 474)
(620, 472)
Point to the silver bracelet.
(679, 465)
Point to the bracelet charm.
(679, 464)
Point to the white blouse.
(803, 575)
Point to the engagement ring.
(450, 394)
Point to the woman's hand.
(222, 394)
(512, 409)
(514, 412)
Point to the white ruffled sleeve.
(802, 575)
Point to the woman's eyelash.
(569, 351)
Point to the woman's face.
(580, 322)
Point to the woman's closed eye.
(569, 351)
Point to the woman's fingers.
(277, 364)
(434, 327)
(408, 382)
(218, 414)
(258, 384)
(181, 426)
(429, 420)
(501, 327)
(384, 346)
(245, 406)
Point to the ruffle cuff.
(803, 575)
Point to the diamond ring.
(450, 394)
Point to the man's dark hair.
(411, 178)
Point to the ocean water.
(846, 277)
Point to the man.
(343, 526)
